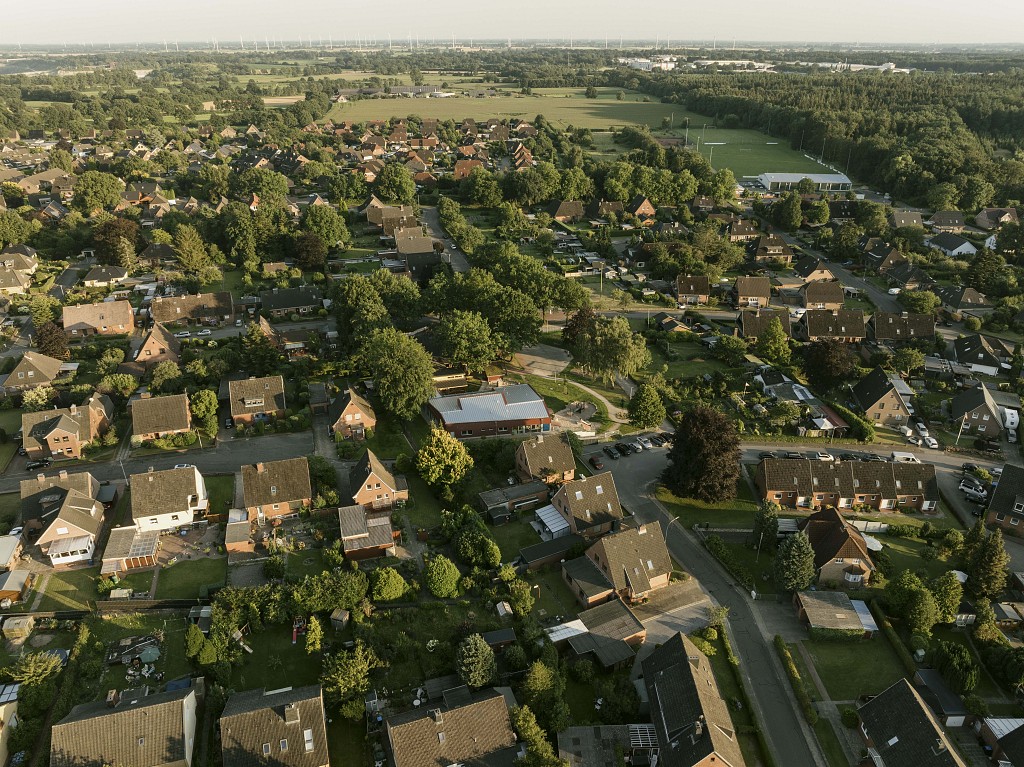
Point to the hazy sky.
(863, 21)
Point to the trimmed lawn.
(830, 745)
(221, 490)
(172, 659)
(183, 579)
(905, 554)
(759, 566)
(70, 590)
(347, 742)
(987, 686)
(512, 537)
(555, 597)
(388, 440)
(684, 360)
(10, 510)
(275, 661)
(852, 669)
(423, 509)
(137, 581)
(735, 513)
(730, 691)
(299, 564)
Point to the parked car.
(766, 454)
(849, 457)
(969, 467)
(205, 332)
(229, 423)
(42, 463)
(873, 457)
(184, 466)
(22, 450)
(915, 441)
(921, 429)
(974, 495)
(1011, 436)
(656, 440)
(668, 437)
(611, 453)
(16, 530)
(635, 447)
(974, 487)
(894, 291)
(644, 443)
(931, 442)
(823, 456)
(623, 449)
(596, 462)
(183, 334)
(793, 454)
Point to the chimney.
(40, 478)
(291, 714)
(73, 410)
(261, 468)
(904, 315)
(113, 698)
(63, 473)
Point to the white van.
(898, 457)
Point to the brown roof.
(256, 395)
(443, 736)
(140, 731)
(890, 326)
(370, 464)
(164, 337)
(161, 414)
(348, 397)
(592, 501)
(43, 368)
(164, 492)
(116, 315)
(171, 309)
(834, 323)
(754, 286)
(824, 292)
(276, 482)
(35, 427)
(547, 454)
(832, 537)
(281, 719)
(754, 322)
(634, 556)
(693, 285)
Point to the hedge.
(718, 549)
(901, 649)
(834, 635)
(861, 428)
(796, 681)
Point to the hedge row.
(721, 552)
(835, 635)
(860, 428)
(901, 649)
(767, 756)
(796, 681)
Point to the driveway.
(432, 221)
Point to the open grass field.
(512, 537)
(184, 579)
(70, 590)
(852, 669)
(738, 512)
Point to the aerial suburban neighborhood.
(432, 402)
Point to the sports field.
(746, 152)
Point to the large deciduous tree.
(395, 184)
(773, 344)
(464, 337)
(828, 362)
(401, 369)
(346, 678)
(52, 341)
(704, 461)
(646, 410)
(442, 460)
(95, 190)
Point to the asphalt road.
(431, 220)
(635, 477)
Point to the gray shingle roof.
(970, 399)
(890, 326)
(550, 453)
(634, 556)
(276, 482)
(842, 323)
(40, 495)
(755, 322)
(693, 285)
(809, 265)
(164, 492)
(360, 530)
(36, 426)
(43, 368)
(1009, 492)
(279, 719)
(154, 415)
(143, 732)
(592, 501)
(689, 714)
(904, 731)
(754, 286)
(290, 298)
(823, 291)
(871, 388)
(256, 395)
(961, 297)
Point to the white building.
(167, 500)
(823, 182)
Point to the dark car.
(596, 462)
(873, 457)
(849, 457)
(656, 440)
(623, 449)
(229, 423)
(42, 463)
(22, 450)
(610, 452)
(766, 454)
(969, 467)
(669, 437)
(792, 454)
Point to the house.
(841, 555)
(987, 355)
(276, 488)
(642, 209)
(899, 219)
(169, 499)
(283, 302)
(549, 459)
(947, 221)
(742, 230)
(822, 295)
(15, 586)
(104, 276)
(899, 729)
(283, 728)
(909, 277)
(566, 211)
(62, 433)
(883, 257)
(952, 245)
(515, 409)
(20, 258)
(947, 705)
(845, 325)
(200, 308)
(692, 290)
(668, 323)
(690, 715)
(8, 716)
(129, 548)
(805, 484)
(64, 511)
(366, 535)
(752, 323)
(374, 486)
(256, 399)
(881, 401)
(975, 412)
(629, 564)
(771, 248)
(155, 417)
(590, 505)
(1006, 509)
(812, 269)
(158, 346)
(351, 415)
(961, 300)
(13, 283)
(422, 254)
(462, 730)
(897, 328)
(752, 292)
(990, 219)
(106, 319)
(133, 727)
(1004, 736)
(601, 209)
(158, 254)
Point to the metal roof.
(552, 520)
(517, 402)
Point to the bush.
(583, 671)
(810, 714)
(850, 718)
(721, 552)
(442, 577)
(273, 568)
(890, 633)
